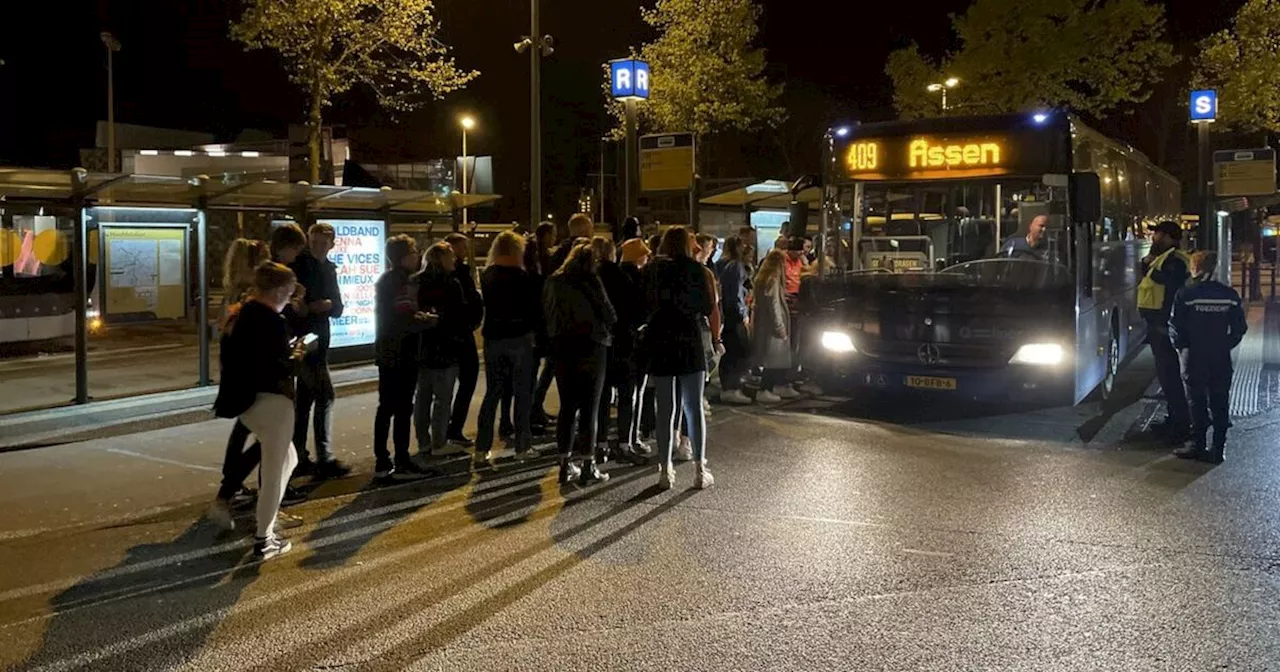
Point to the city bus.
(992, 258)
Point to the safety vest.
(1150, 292)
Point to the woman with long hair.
(681, 302)
(771, 326)
(440, 294)
(510, 321)
(396, 349)
(545, 237)
(579, 323)
(732, 272)
(257, 387)
(238, 266)
(628, 302)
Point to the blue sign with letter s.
(1204, 105)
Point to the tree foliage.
(329, 46)
(1089, 55)
(1243, 64)
(705, 74)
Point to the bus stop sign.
(1244, 172)
(1204, 106)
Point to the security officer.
(1164, 273)
(1207, 322)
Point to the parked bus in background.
(988, 257)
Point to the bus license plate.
(931, 383)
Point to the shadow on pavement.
(358, 627)
(389, 505)
(107, 616)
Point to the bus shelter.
(765, 206)
(110, 285)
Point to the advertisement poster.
(357, 252)
(146, 272)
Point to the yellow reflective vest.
(1151, 293)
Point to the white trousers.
(270, 418)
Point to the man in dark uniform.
(1206, 323)
(1164, 272)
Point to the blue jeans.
(690, 387)
(508, 366)
(314, 387)
(431, 408)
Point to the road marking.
(931, 554)
(161, 460)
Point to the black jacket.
(474, 303)
(394, 307)
(677, 298)
(440, 346)
(577, 308)
(1207, 321)
(255, 358)
(320, 278)
(511, 303)
(622, 284)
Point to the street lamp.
(949, 83)
(467, 124)
(537, 47)
(112, 45)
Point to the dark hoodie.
(440, 346)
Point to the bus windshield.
(932, 226)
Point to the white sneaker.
(785, 391)
(220, 514)
(666, 477)
(702, 478)
(767, 397)
(684, 450)
(272, 546)
(706, 405)
(735, 397)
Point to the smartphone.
(309, 339)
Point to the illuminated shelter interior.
(63, 235)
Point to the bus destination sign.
(949, 156)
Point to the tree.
(1091, 56)
(1243, 64)
(706, 75)
(329, 46)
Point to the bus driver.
(1033, 245)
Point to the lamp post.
(538, 47)
(467, 124)
(949, 83)
(112, 45)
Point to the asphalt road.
(951, 539)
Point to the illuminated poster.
(146, 272)
(357, 252)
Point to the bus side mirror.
(1086, 198)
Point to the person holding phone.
(257, 387)
(318, 276)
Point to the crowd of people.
(637, 325)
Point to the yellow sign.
(146, 272)
(971, 155)
(1245, 178)
(666, 162)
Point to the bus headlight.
(837, 341)
(1040, 354)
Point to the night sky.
(179, 69)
